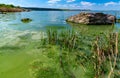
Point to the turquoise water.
(41, 19)
(11, 26)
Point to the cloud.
(110, 3)
(84, 3)
(53, 1)
(70, 0)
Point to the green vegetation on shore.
(10, 8)
(73, 55)
(62, 54)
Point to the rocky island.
(11, 8)
(93, 19)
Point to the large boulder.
(92, 19)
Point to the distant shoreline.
(53, 9)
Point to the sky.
(70, 4)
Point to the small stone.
(26, 20)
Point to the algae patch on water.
(17, 50)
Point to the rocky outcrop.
(92, 19)
(11, 8)
(6, 9)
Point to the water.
(11, 26)
(19, 41)
(41, 19)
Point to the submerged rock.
(92, 19)
(3, 12)
(26, 20)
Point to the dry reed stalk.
(115, 54)
(97, 64)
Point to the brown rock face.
(5, 9)
(92, 18)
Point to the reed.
(97, 55)
(66, 39)
(106, 55)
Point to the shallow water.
(11, 26)
(11, 22)
(41, 19)
(14, 35)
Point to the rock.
(3, 13)
(92, 19)
(5, 9)
(25, 10)
(12, 8)
(26, 20)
